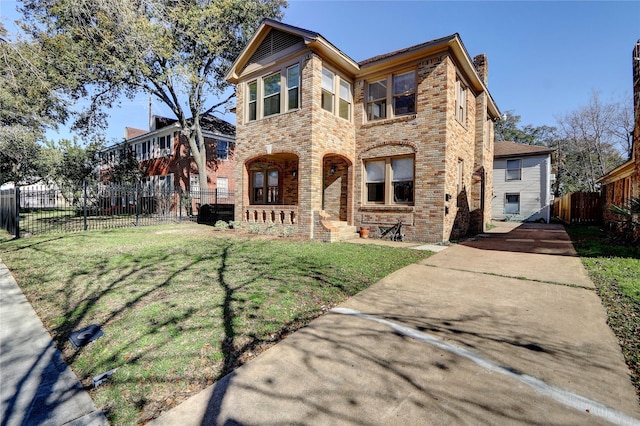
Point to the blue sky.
(545, 57)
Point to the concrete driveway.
(505, 329)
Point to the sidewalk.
(36, 386)
(505, 329)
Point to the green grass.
(615, 270)
(182, 305)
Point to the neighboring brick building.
(623, 183)
(164, 155)
(324, 142)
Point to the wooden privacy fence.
(579, 208)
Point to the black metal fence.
(38, 210)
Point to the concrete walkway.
(505, 329)
(36, 386)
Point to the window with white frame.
(222, 150)
(165, 183)
(274, 93)
(512, 204)
(401, 97)
(390, 180)
(194, 184)
(222, 187)
(461, 101)
(514, 170)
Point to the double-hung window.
(222, 150)
(328, 89)
(461, 102)
(333, 84)
(390, 180)
(514, 170)
(293, 87)
(401, 97)
(271, 86)
(377, 100)
(253, 100)
(345, 100)
(404, 93)
(274, 93)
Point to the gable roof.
(318, 44)
(310, 39)
(503, 149)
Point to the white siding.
(534, 189)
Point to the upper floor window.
(332, 84)
(390, 180)
(514, 170)
(402, 97)
(404, 93)
(253, 100)
(345, 100)
(293, 87)
(461, 101)
(328, 89)
(271, 86)
(222, 150)
(274, 93)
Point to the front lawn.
(615, 270)
(181, 305)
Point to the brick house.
(522, 182)
(164, 155)
(325, 143)
(623, 183)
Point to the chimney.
(636, 78)
(480, 63)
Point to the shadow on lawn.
(85, 301)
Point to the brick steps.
(345, 231)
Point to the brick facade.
(327, 153)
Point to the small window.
(328, 89)
(514, 170)
(271, 94)
(222, 187)
(253, 100)
(194, 185)
(404, 93)
(293, 84)
(512, 204)
(222, 150)
(461, 102)
(377, 100)
(345, 100)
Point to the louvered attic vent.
(276, 41)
